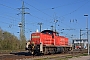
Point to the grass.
(53, 59)
(69, 56)
(8, 51)
(5, 51)
(62, 58)
(66, 58)
(38, 59)
(84, 54)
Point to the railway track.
(27, 56)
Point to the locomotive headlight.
(33, 47)
(32, 52)
(27, 44)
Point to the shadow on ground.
(21, 53)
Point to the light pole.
(52, 27)
(55, 24)
(40, 26)
(81, 39)
(87, 31)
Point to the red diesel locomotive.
(47, 42)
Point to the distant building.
(78, 44)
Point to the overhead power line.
(71, 3)
(7, 6)
(38, 9)
(77, 8)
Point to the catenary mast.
(22, 23)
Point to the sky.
(69, 13)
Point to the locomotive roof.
(49, 31)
